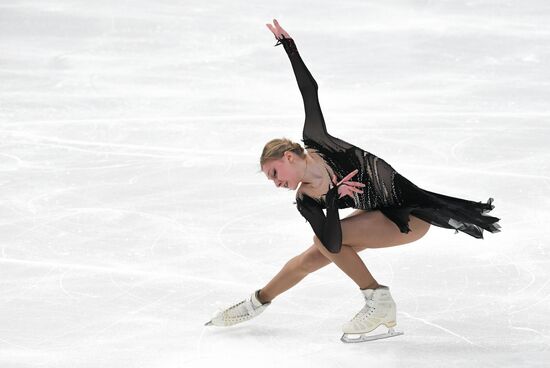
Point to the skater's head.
(284, 162)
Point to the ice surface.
(132, 207)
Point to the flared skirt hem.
(441, 210)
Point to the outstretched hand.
(348, 187)
(277, 30)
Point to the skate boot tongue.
(255, 299)
(367, 293)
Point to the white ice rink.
(131, 207)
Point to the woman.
(390, 210)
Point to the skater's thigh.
(372, 229)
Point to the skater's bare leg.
(349, 261)
(292, 273)
(360, 230)
(295, 270)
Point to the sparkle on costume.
(385, 189)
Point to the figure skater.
(389, 210)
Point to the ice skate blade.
(362, 338)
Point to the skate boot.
(240, 312)
(379, 310)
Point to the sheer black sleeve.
(327, 228)
(314, 126)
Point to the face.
(283, 171)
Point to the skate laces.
(234, 306)
(369, 304)
(234, 311)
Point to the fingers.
(350, 187)
(278, 26)
(349, 176)
(278, 30)
(349, 192)
(356, 183)
(272, 29)
(355, 190)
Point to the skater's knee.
(318, 244)
(311, 260)
(316, 240)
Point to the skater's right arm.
(326, 228)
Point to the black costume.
(386, 190)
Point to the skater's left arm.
(314, 125)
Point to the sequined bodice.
(377, 175)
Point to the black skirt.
(441, 210)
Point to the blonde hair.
(275, 148)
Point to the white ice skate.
(379, 310)
(240, 312)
